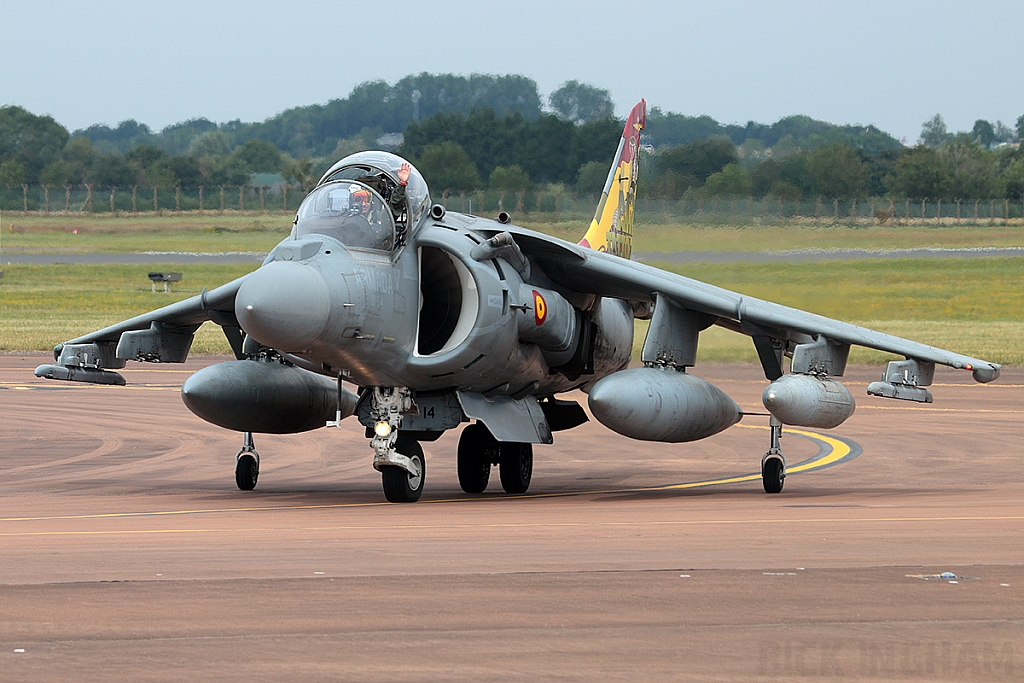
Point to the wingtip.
(987, 372)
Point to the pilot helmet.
(359, 200)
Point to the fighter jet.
(384, 306)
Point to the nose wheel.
(247, 464)
(398, 457)
(401, 485)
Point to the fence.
(820, 211)
(539, 206)
(746, 210)
(90, 199)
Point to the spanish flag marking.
(540, 308)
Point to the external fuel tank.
(655, 404)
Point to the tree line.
(959, 167)
(477, 132)
(693, 157)
(465, 152)
(371, 109)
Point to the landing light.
(382, 429)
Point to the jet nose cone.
(284, 305)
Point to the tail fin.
(612, 227)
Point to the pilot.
(359, 202)
(355, 229)
(393, 195)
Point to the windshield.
(349, 212)
(380, 171)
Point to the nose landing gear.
(398, 458)
(400, 484)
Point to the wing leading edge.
(164, 335)
(586, 270)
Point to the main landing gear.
(247, 464)
(773, 464)
(479, 450)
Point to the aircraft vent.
(449, 302)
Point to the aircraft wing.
(589, 271)
(164, 335)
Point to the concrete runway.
(127, 553)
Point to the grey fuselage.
(438, 312)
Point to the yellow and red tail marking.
(612, 227)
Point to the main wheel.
(476, 453)
(399, 485)
(773, 475)
(515, 466)
(247, 471)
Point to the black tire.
(515, 466)
(773, 475)
(475, 457)
(247, 471)
(399, 485)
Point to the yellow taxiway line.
(833, 451)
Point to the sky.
(892, 64)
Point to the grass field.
(260, 232)
(975, 306)
(43, 305)
(202, 233)
(797, 235)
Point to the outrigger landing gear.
(247, 464)
(773, 464)
(398, 458)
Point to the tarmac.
(127, 552)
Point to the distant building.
(389, 142)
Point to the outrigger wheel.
(773, 474)
(247, 464)
(773, 464)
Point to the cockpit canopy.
(379, 170)
(350, 212)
